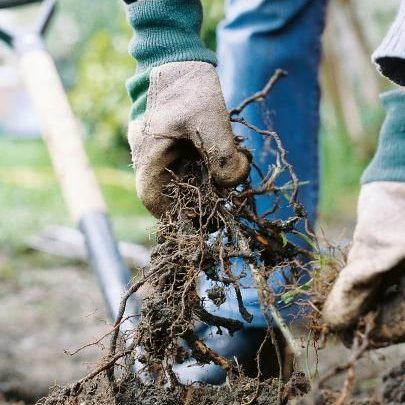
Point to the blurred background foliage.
(89, 41)
(100, 65)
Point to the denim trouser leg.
(256, 38)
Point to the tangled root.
(205, 232)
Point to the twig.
(347, 387)
(265, 299)
(260, 95)
(283, 156)
(231, 325)
(106, 366)
(121, 311)
(205, 352)
(259, 371)
(361, 344)
(96, 342)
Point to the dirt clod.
(394, 385)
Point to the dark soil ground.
(46, 310)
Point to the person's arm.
(378, 250)
(176, 98)
(164, 31)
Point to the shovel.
(63, 139)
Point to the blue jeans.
(256, 38)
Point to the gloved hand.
(378, 249)
(185, 109)
(178, 103)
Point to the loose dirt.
(31, 297)
(43, 312)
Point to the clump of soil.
(393, 392)
(394, 385)
(131, 391)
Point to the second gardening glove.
(178, 105)
(378, 251)
(377, 257)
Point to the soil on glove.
(394, 385)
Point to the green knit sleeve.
(164, 31)
(388, 163)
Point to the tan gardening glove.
(378, 251)
(178, 111)
(185, 110)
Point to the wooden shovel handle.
(61, 134)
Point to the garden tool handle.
(61, 134)
(16, 3)
(80, 189)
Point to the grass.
(341, 168)
(343, 160)
(30, 198)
